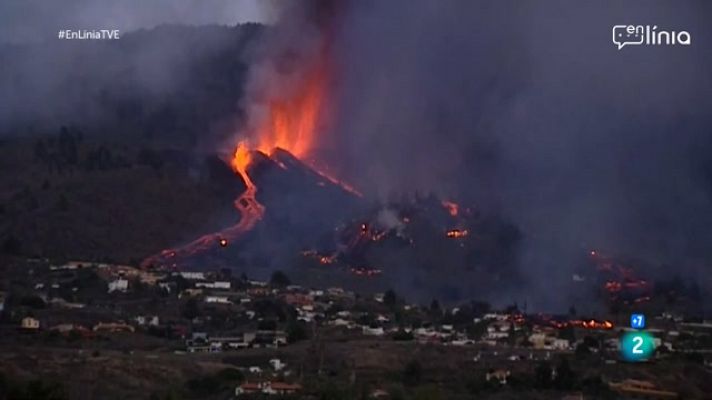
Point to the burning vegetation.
(457, 233)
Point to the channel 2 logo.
(648, 35)
(637, 345)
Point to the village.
(202, 314)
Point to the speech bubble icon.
(627, 35)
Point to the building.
(544, 341)
(67, 329)
(373, 331)
(120, 285)
(248, 388)
(143, 320)
(214, 285)
(30, 323)
(268, 388)
(231, 342)
(280, 388)
(499, 375)
(72, 265)
(218, 299)
(277, 364)
(193, 276)
(269, 339)
(298, 299)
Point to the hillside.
(116, 202)
(107, 149)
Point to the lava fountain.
(291, 125)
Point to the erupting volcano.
(290, 126)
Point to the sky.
(23, 21)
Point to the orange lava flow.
(452, 208)
(291, 124)
(250, 209)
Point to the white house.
(30, 323)
(217, 299)
(193, 276)
(277, 364)
(499, 375)
(367, 330)
(121, 285)
(496, 316)
(560, 344)
(541, 340)
(147, 320)
(214, 285)
(382, 318)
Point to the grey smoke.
(529, 110)
(25, 21)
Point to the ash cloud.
(160, 62)
(530, 111)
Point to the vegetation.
(279, 279)
(12, 389)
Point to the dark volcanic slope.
(116, 202)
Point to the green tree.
(230, 375)
(427, 393)
(296, 331)
(191, 309)
(279, 279)
(412, 373)
(435, 307)
(542, 375)
(565, 376)
(390, 298)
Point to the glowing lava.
(292, 121)
(250, 209)
(452, 208)
(291, 125)
(457, 233)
